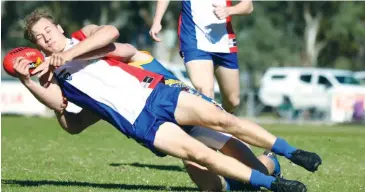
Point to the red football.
(28, 53)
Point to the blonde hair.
(31, 19)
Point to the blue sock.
(277, 168)
(281, 147)
(259, 179)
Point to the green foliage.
(265, 41)
(273, 35)
(347, 34)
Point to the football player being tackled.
(141, 106)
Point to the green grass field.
(37, 155)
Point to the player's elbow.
(129, 46)
(112, 31)
(249, 9)
(245, 7)
(132, 49)
(125, 50)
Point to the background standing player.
(208, 45)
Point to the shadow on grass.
(38, 183)
(159, 167)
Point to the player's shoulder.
(79, 35)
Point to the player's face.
(48, 36)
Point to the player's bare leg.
(229, 86)
(204, 179)
(201, 74)
(192, 110)
(266, 163)
(238, 150)
(208, 181)
(172, 140)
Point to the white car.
(360, 76)
(304, 87)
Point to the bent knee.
(232, 102)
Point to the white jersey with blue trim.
(199, 28)
(113, 90)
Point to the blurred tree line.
(282, 33)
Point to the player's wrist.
(157, 20)
(62, 109)
(59, 112)
(70, 55)
(230, 11)
(26, 81)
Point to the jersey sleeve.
(79, 35)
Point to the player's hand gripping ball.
(31, 54)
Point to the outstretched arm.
(156, 25)
(50, 94)
(122, 51)
(97, 37)
(128, 53)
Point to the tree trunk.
(360, 58)
(312, 47)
